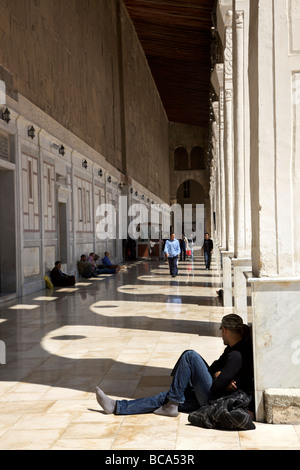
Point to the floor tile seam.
(50, 428)
(11, 425)
(145, 366)
(24, 430)
(297, 433)
(77, 414)
(115, 360)
(59, 437)
(177, 434)
(240, 441)
(9, 390)
(117, 433)
(22, 379)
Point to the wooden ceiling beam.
(176, 38)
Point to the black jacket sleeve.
(229, 371)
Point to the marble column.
(222, 167)
(217, 166)
(274, 64)
(215, 141)
(227, 252)
(242, 233)
(218, 134)
(229, 137)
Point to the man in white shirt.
(172, 250)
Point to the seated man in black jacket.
(194, 382)
(60, 279)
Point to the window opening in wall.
(197, 158)
(30, 180)
(8, 276)
(62, 232)
(80, 214)
(49, 186)
(187, 190)
(181, 159)
(4, 147)
(88, 207)
(83, 204)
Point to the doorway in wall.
(191, 192)
(8, 265)
(62, 233)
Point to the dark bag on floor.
(229, 412)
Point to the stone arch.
(193, 193)
(196, 192)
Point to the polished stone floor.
(125, 333)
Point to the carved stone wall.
(84, 67)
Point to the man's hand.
(232, 386)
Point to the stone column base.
(227, 278)
(282, 406)
(240, 266)
(276, 336)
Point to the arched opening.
(197, 158)
(181, 159)
(192, 192)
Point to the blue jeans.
(191, 373)
(106, 271)
(207, 258)
(173, 265)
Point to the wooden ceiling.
(176, 38)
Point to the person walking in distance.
(183, 245)
(172, 250)
(207, 249)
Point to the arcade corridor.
(124, 333)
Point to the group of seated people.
(87, 267)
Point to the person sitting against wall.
(60, 279)
(91, 260)
(108, 264)
(85, 268)
(103, 269)
(195, 383)
(88, 268)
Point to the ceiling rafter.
(176, 38)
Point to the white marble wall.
(274, 60)
(265, 89)
(274, 147)
(56, 197)
(276, 336)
